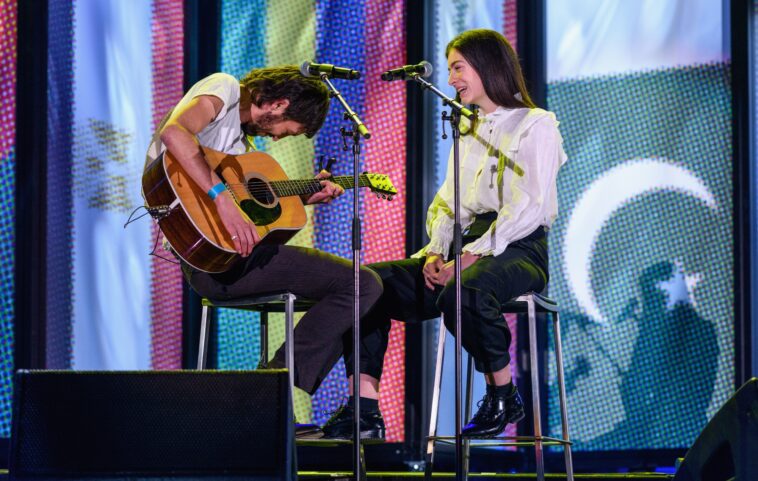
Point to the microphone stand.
(358, 130)
(456, 110)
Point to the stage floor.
(390, 476)
(404, 476)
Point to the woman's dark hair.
(493, 58)
(308, 97)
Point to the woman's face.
(466, 81)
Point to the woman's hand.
(448, 270)
(432, 266)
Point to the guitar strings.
(280, 187)
(314, 182)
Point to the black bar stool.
(531, 304)
(285, 302)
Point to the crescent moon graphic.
(605, 196)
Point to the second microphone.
(423, 69)
(310, 69)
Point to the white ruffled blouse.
(509, 165)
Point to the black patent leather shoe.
(308, 431)
(495, 412)
(340, 425)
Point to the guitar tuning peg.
(378, 196)
(390, 198)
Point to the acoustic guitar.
(189, 219)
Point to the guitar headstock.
(381, 185)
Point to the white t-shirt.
(224, 133)
(509, 166)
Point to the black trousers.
(309, 273)
(486, 285)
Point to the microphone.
(310, 69)
(423, 69)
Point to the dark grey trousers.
(486, 285)
(309, 273)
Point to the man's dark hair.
(308, 97)
(493, 58)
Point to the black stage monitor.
(727, 449)
(212, 425)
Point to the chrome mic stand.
(456, 110)
(358, 130)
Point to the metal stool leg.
(363, 463)
(263, 361)
(534, 369)
(467, 410)
(289, 348)
(562, 394)
(433, 415)
(203, 347)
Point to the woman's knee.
(474, 302)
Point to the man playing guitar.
(222, 112)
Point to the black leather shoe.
(340, 425)
(308, 431)
(274, 363)
(495, 412)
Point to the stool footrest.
(329, 443)
(506, 440)
(267, 303)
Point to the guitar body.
(193, 227)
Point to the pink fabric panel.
(384, 222)
(166, 278)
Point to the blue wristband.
(216, 190)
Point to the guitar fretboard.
(284, 188)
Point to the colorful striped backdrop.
(370, 37)
(166, 280)
(116, 308)
(8, 9)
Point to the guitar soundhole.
(260, 191)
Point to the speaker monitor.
(180, 424)
(727, 448)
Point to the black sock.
(501, 391)
(368, 405)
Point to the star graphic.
(680, 287)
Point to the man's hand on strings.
(329, 190)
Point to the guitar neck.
(284, 188)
